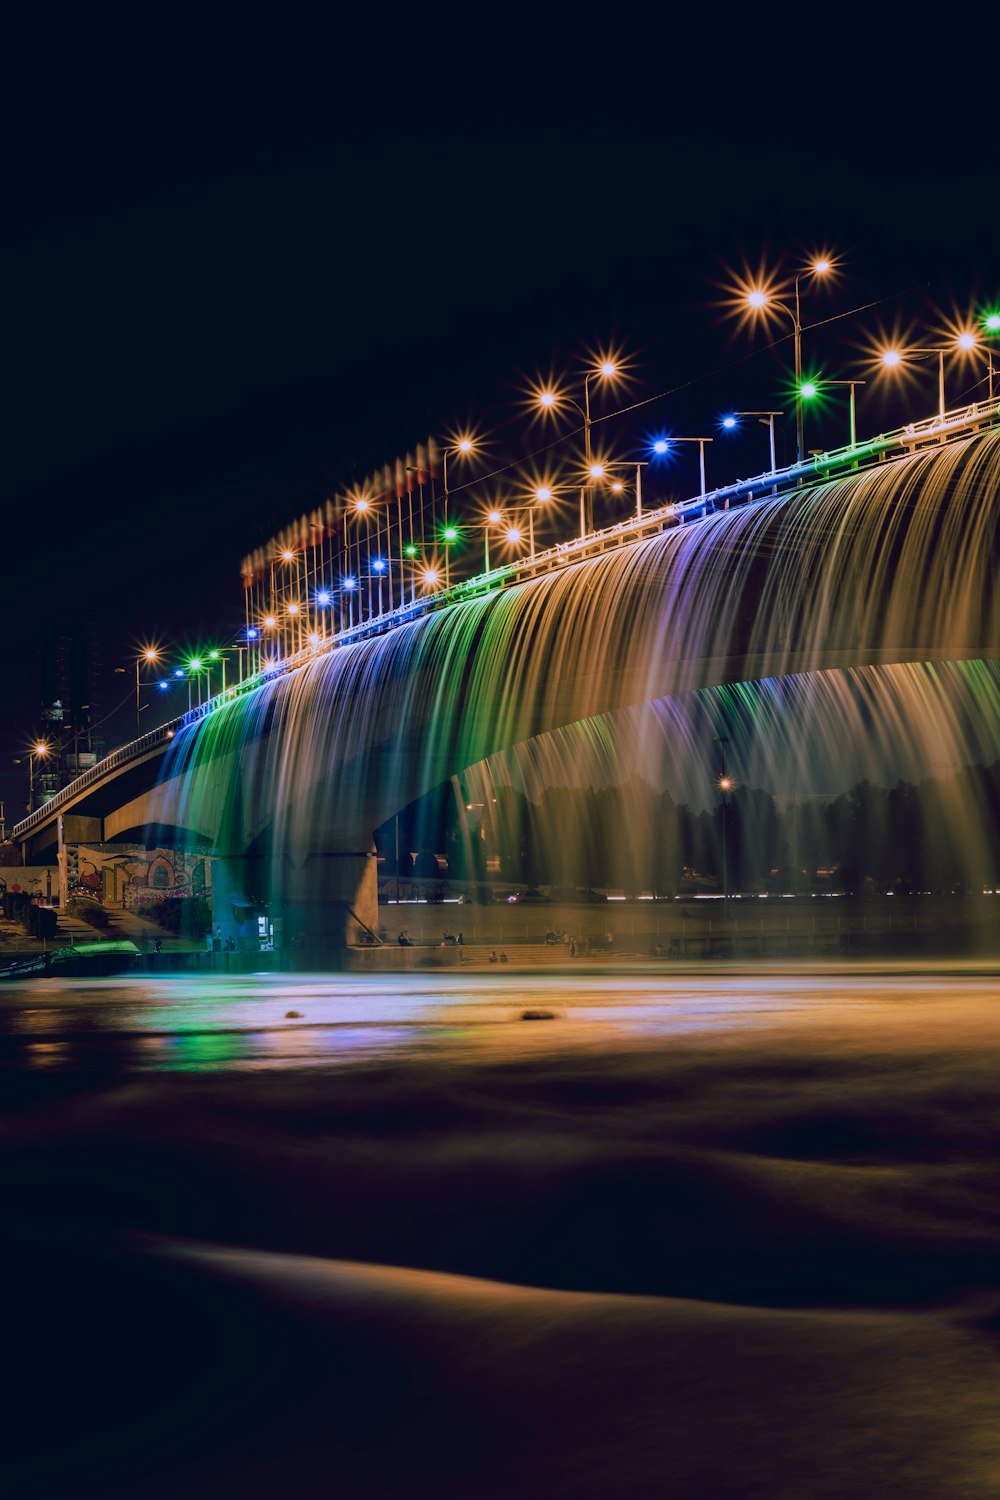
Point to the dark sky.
(232, 289)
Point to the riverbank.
(548, 935)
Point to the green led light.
(992, 321)
(214, 655)
(808, 389)
(410, 551)
(450, 534)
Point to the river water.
(712, 1231)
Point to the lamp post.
(765, 417)
(462, 446)
(725, 787)
(617, 486)
(448, 535)
(493, 518)
(662, 446)
(496, 518)
(760, 298)
(550, 400)
(812, 388)
(893, 359)
(991, 323)
(150, 654)
(41, 748)
(349, 585)
(965, 342)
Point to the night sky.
(231, 293)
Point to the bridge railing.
(881, 449)
(134, 750)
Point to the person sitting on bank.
(404, 939)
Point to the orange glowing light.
(607, 365)
(545, 396)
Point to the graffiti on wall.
(131, 878)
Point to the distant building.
(68, 669)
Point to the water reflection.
(233, 1023)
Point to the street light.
(618, 486)
(462, 445)
(493, 518)
(812, 388)
(550, 400)
(41, 748)
(965, 342)
(661, 447)
(760, 299)
(766, 419)
(448, 535)
(725, 784)
(150, 654)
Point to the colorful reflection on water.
(238, 1023)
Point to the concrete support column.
(74, 830)
(320, 903)
(238, 893)
(326, 901)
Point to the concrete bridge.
(886, 553)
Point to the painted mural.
(38, 880)
(130, 877)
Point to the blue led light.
(661, 445)
(729, 422)
(349, 583)
(252, 634)
(323, 597)
(378, 566)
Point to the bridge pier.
(73, 830)
(323, 902)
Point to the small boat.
(112, 957)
